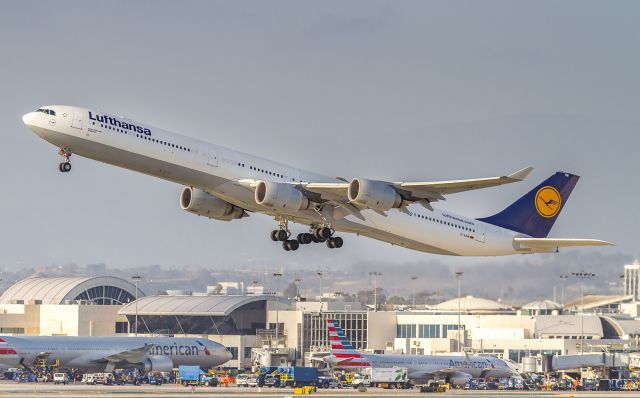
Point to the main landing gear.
(315, 235)
(65, 166)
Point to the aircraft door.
(76, 122)
(481, 233)
(212, 160)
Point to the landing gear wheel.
(64, 167)
(323, 233)
(290, 245)
(337, 242)
(274, 235)
(334, 243)
(282, 235)
(304, 239)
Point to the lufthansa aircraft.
(147, 354)
(224, 184)
(455, 369)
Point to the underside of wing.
(550, 244)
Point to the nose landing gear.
(65, 166)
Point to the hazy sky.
(392, 90)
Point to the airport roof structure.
(542, 305)
(596, 301)
(621, 328)
(472, 304)
(217, 305)
(568, 325)
(101, 290)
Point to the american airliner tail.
(342, 350)
(338, 340)
(534, 213)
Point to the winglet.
(521, 174)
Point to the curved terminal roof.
(192, 305)
(472, 304)
(568, 325)
(542, 305)
(59, 290)
(595, 301)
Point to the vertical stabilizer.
(534, 213)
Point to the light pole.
(459, 279)
(136, 278)
(319, 273)
(413, 278)
(375, 275)
(563, 278)
(621, 276)
(277, 275)
(582, 276)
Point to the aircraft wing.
(418, 191)
(547, 244)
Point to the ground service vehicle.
(189, 375)
(395, 377)
(60, 378)
(252, 381)
(298, 376)
(246, 380)
(208, 380)
(328, 382)
(98, 378)
(241, 380)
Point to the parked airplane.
(455, 369)
(108, 353)
(224, 184)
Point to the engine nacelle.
(201, 203)
(280, 196)
(157, 363)
(377, 195)
(459, 378)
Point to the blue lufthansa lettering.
(117, 123)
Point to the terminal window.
(122, 327)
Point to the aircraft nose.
(28, 119)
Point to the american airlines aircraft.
(455, 369)
(108, 353)
(224, 184)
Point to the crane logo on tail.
(548, 201)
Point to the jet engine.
(459, 378)
(201, 203)
(377, 195)
(280, 196)
(157, 363)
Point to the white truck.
(395, 377)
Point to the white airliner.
(224, 184)
(456, 369)
(147, 354)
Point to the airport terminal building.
(106, 306)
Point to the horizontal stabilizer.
(546, 244)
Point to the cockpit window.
(47, 111)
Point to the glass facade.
(316, 336)
(105, 295)
(406, 331)
(429, 331)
